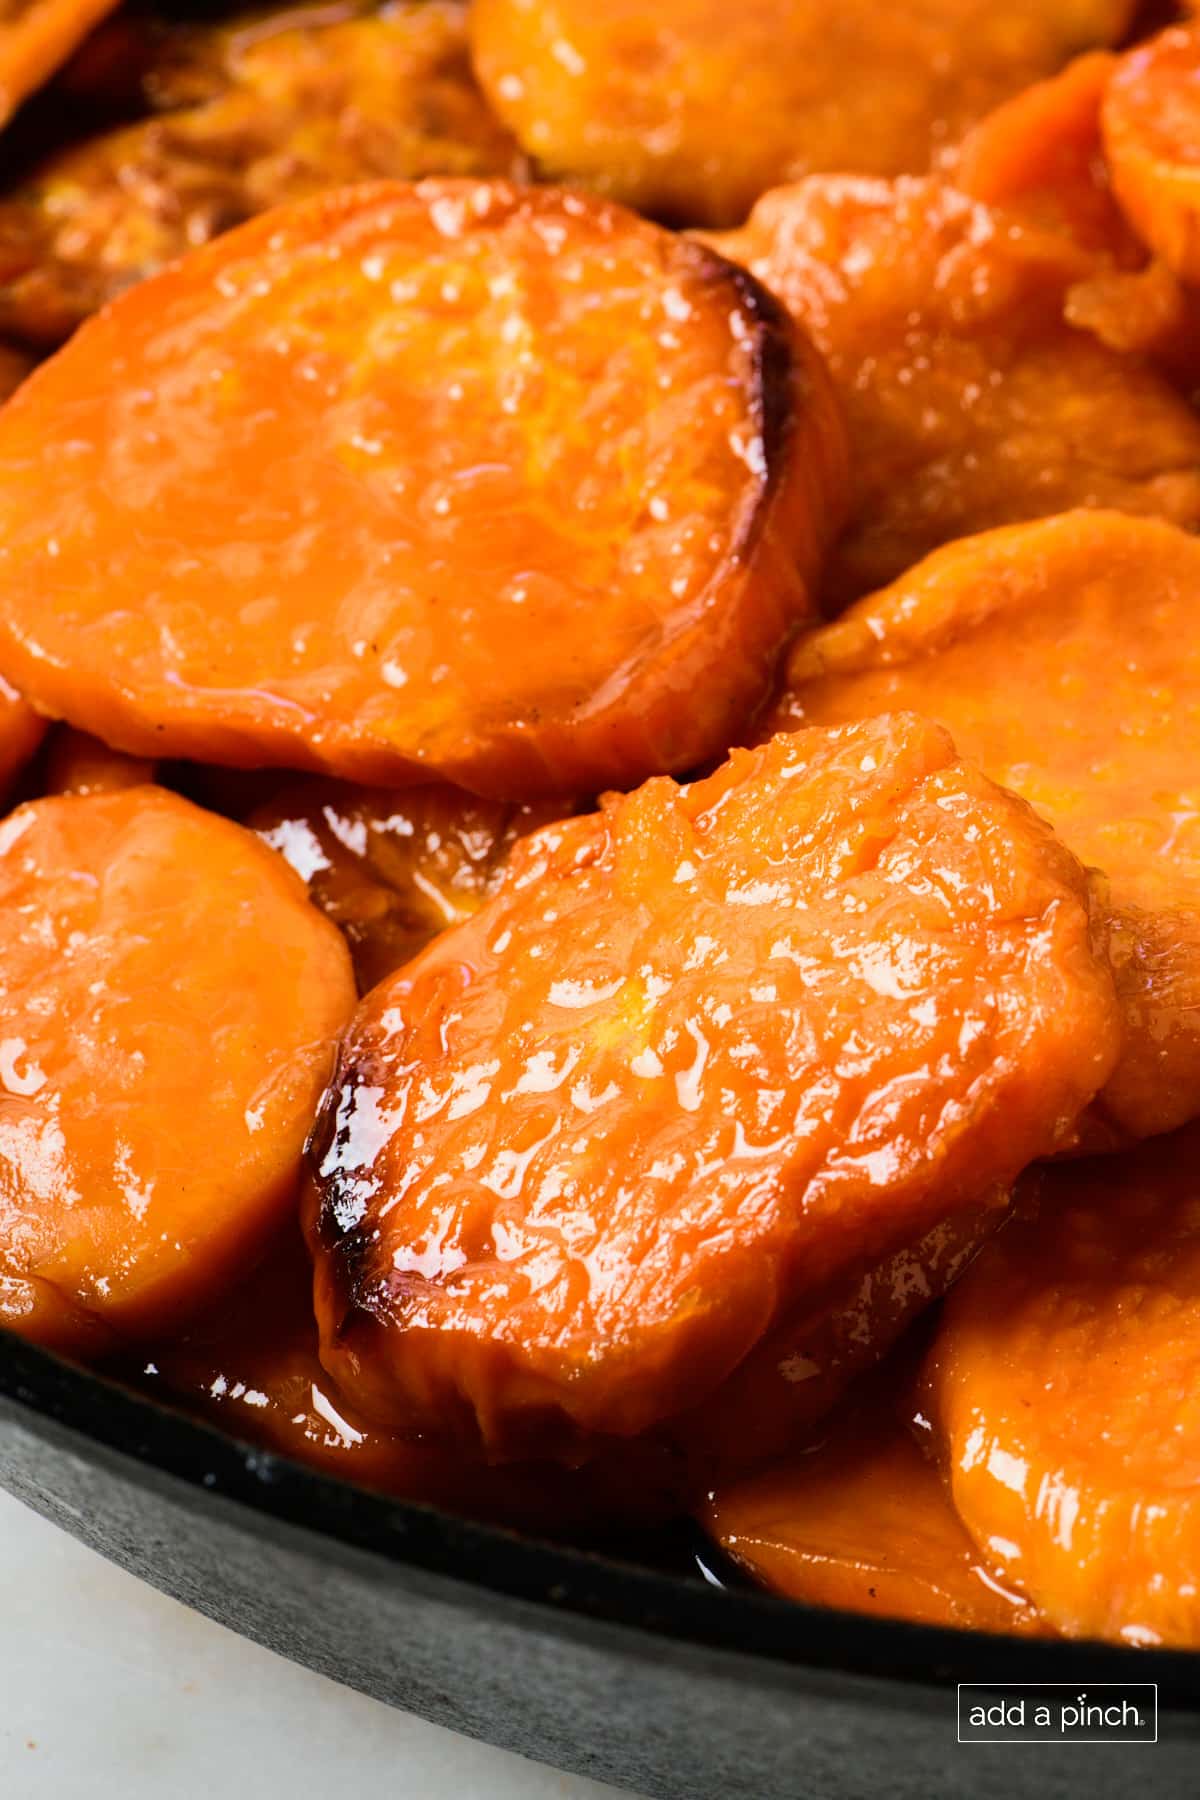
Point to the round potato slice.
(461, 479)
(970, 402)
(393, 868)
(692, 109)
(1064, 1383)
(703, 1053)
(1151, 121)
(1065, 656)
(169, 1004)
(863, 1523)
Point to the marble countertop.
(109, 1690)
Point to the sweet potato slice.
(249, 115)
(1064, 656)
(467, 480)
(863, 1523)
(1151, 121)
(694, 108)
(168, 1011)
(79, 764)
(701, 1055)
(251, 1368)
(35, 37)
(1063, 1381)
(393, 868)
(970, 402)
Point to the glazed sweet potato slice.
(466, 480)
(1151, 120)
(79, 764)
(693, 109)
(251, 1368)
(246, 116)
(970, 402)
(1063, 1382)
(36, 36)
(702, 1054)
(1091, 620)
(863, 1523)
(393, 868)
(168, 1012)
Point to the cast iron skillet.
(597, 1664)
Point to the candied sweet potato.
(694, 108)
(702, 1054)
(1151, 122)
(272, 110)
(391, 867)
(251, 1368)
(168, 1012)
(1065, 656)
(863, 1523)
(970, 402)
(35, 37)
(79, 764)
(1064, 1381)
(457, 480)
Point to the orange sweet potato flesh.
(863, 1522)
(248, 115)
(36, 36)
(970, 402)
(458, 480)
(701, 1055)
(79, 764)
(1151, 122)
(391, 867)
(251, 1368)
(1065, 656)
(1064, 1382)
(165, 1033)
(693, 108)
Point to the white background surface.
(108, 1691)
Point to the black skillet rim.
(53, 1396)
